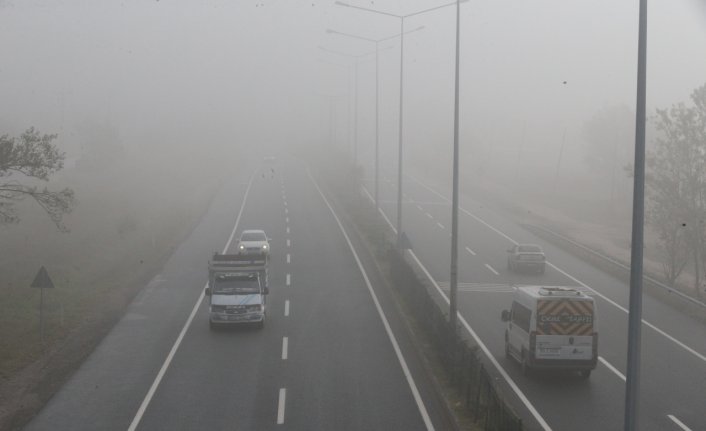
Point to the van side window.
(521, 316)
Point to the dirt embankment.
(129, 220)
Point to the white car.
(254, 242)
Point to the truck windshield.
(235, 286)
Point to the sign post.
(41, 282)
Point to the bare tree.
(25, 161)
(677, 184)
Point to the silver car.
(254, 242)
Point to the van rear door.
(564, 329)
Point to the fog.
(201, 86)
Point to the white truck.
(552, 327)
(237, 289)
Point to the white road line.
(429, 215)
(160, 375)
(289, 258)
(595, 292)
(280, 405)
(491, 269)
(286, 308)
(440, 225)
(470, 251)
(289, 243)
(285, 203)
(287, 229)
(286, 220)
(386, 324)
(420, 207)
(285, 347)
(679, 423)
(611, 368)
(286, 210)
(289, 279)
(485, 349)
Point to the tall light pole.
(401, 119)
(632, 381)
(377, 98)
(453, 279)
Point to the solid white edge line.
(289, 279)
(280, 405)
(485, 349)
(386, 324)
(470, 251)
(286, 308)
(605, 298)
(285, 347)
(491, 269)
(611, 368)
(155, 384)
(679, 423)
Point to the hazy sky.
(251, 72)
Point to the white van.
(552, 327)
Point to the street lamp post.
(377, 99)
(401, 119)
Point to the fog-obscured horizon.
(199, 85)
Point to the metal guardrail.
(621, 265)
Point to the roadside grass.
(121, 234)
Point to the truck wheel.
(585, 374)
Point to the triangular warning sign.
(42, 280)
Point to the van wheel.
(524, 365)
(585, 374)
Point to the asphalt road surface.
(673, 383)
(333, 355)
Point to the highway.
(673, 385)
(334, 354)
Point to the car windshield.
(529, 249)
(253, 236)
(235, 285)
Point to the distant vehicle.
(254, 242)
(552, 328)
(526, 256)
(237, 290)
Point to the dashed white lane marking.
(286, 308)
(440, 225)
(285, 203)
(491, 269)
(611, 368)
(286, 210)
(393, 340)
(289, 258)
(429, 215)
(286, 220)
(160, 375)
(470, 251)
(287, 229)
(679, 423)
(280, 405)
(289, 243)
(285, 347)
(420, 207)
(289, 279)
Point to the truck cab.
(237, 290)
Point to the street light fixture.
(400, 137)
(377, 98)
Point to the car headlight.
(264, 247)
(241, 246)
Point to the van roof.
(548, 292)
